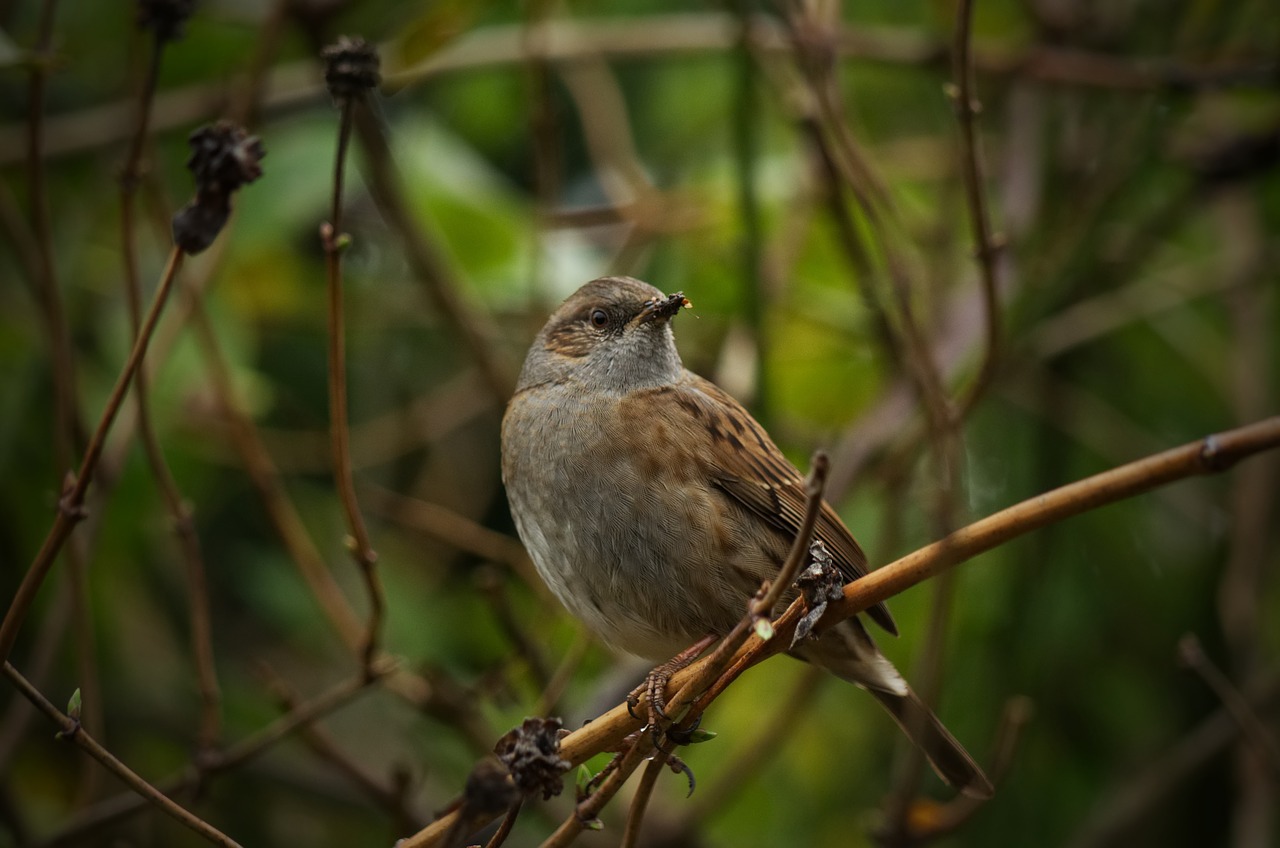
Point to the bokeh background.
(516, 151)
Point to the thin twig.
(504, 829)
(489, 581)
(179, 510)
(280, 510)
(550, 697)
(70, 729)
(68, 434)
(389, 797)
(670, 35)
(1251, 727)
(427, 260)
(70, 508)
(746, 152)
(985, 243)
(90, 819)
(765, 740)
(334, 244)
(589, 809)
(813, 487)
(1134, 797)
(640, 801)
(284, 515)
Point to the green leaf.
(73, 705)
(699, 735)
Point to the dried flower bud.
(489, 789)
(197, 224)
(820, 583)
(224, 157)
(532, 753)
(166, 17)
(350, 67)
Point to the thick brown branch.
(1212, 454)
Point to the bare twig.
(456, 530)
(1210, 455)
(70, 728)
(262, 472)
(359, 58)
(1260, 739)
(928, 820)
(489, 580)
(586, 811)
(389, 797)
(68, 434)
(640, 801)
(1134, 796)
(763, 742)
(813, 488)
(179, 509)
(213, 763)
(504, 830)
(70, 509)
(671, 35)
(985, 243)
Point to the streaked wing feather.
(763, 480)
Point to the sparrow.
(653, 505)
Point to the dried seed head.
(820, 584)
(197, 224)
(532, 753)
(224, 157)
(350, 67)
(166, 17)
(489, 789)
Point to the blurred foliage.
(1143, 236)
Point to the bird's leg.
(655, 682)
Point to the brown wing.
(752, 471)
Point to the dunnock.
(654, 505)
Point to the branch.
(1210, 455)
(179, 510)
(70, 505)
(673, 36)
(351, 70)
(985, 244)
(1213, 454)
(70, 729)
(91, 818)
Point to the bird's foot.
(654, 687)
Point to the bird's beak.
(662, 308)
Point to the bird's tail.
(947, 756)
(849, 652)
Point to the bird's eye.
(599, 319)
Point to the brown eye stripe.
(570, 339)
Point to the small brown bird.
(653, 504)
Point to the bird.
(653, 504)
